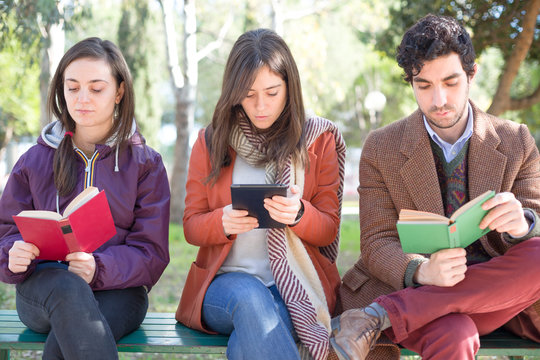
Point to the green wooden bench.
(159, 333)
(501, 343)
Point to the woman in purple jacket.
(90, 300)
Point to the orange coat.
(203, 227)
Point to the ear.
(475, 71)
(119, 93)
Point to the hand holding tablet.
(251, 197)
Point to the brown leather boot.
(354, 334)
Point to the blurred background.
(177, 49)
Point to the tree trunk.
(54, 37)
(181, 154)
(185, 90)
(502, 100)
(44, 79)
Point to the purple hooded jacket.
(136, 185)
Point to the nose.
(439, 97)
(82, 96)
(259, 102)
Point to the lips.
(83, 111)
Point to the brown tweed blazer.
(397, 171)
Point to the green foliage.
(19, 97)
(494, 26)
(493, 23)
(137, 31)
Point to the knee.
(249, 294)
(450, 336)
(66, 287)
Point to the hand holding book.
(425, 233)
(84, 226)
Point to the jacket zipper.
(88, 167)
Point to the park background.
(177, 50)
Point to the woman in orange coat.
(268, 289)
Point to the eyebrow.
(268, 88)
(91, 81)
(450, 77)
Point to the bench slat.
(161, 333)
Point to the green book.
(422, 232)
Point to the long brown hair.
(64, 164)
(253, 50)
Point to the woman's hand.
(285, 209)
(82, 264)
(237, 221)
(21, 255)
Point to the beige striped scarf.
(294, 273)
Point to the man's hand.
(505, 215)
(444, 268)
(237, 221)
(82, 264)
(284, 209)
(21, 255)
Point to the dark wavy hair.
(65, 161)
(432, 37)
(251, 51)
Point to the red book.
(85, 225)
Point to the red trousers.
(446, 322)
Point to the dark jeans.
(82, 324)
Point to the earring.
(116, 112)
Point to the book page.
(471, 203)
(415, 215)
(81, 199)
(40, 214)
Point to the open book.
(424, 232)
(85, 225)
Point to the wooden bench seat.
(501, 343)
(161, 333)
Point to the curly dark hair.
(431, 37)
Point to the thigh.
(283, 311)
(231, 298)
(124, 309)
(46, 290)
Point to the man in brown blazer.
(438, 158)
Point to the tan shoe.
(354, 334)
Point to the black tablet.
(251, 197)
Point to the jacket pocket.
(189, 309)
(355, 278)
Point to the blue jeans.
(254, 316)
(81, 324)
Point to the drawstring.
(116, 160)
(57, 203)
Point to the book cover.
(251, 197)
(425, 233)
(86, 224)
